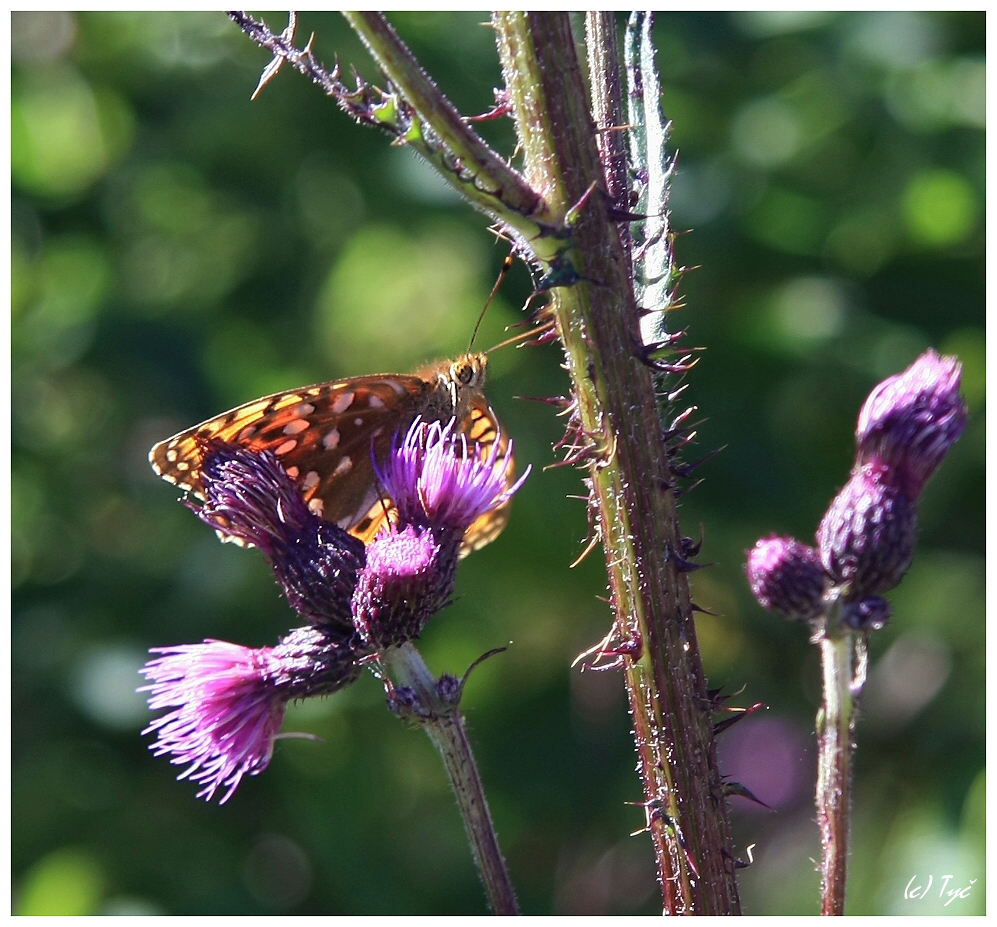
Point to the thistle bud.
(408, 578)
(910, 420)
(786, 577)
(868, 614)
(250, 499)
(866, 538)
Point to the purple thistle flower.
(436, 480)
(867, 536)
(440, 486)
(910, 421)
(786, 577)
(228, 701)
(409, 577)
(252, 500)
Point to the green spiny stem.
(628, 470)
(483, 175)
(444, 724)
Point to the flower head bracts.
(911, 420)
(225, 703)
(251, 499)
(786, 577)
(866, 538)
(409, 577)
(228, 701)
(437, 480)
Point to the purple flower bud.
(868, 614)
(409, 577)
(436, 480)
(252, 500)
(911, 420)
(786, 577)
(228, 701)
(867, 536)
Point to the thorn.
(572, 216)
(624, 215)
(588, 549)
(739, 715)
(502, 107)
(623, 128)
(735, 788)
(688, 469)
(270, 71)
(560, 401)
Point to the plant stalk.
(842, 666)
(442, 721)
(627, 469)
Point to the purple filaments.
(437, 480)
(224, 715)
(224, 702)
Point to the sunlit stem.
(842, 654)
(444, 724)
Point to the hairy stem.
(842, 665)
(628, 470)
(443, 722)
(502, 191)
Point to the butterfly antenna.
(506, 265)
(537, 332)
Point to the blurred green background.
(177, 250)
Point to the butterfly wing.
(483, 429)
(323, 436)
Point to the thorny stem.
(495, 177)
(559, 217)
(843, 669)
(628, 472)
(443, 722)
(427, 122)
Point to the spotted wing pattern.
(322, 435)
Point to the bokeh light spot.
(68, 882)
(105, 685)
(939, 208)
(767, 132)
(63, 135)
(277, 872)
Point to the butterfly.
(324, 436)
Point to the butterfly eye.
(463, 373)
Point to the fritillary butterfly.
(324, 436)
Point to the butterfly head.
(468, 371)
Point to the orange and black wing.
(323, 435)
